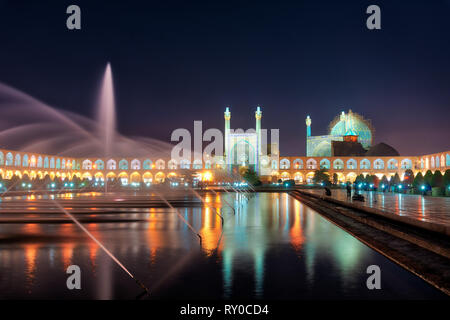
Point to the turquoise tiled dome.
(359, 127)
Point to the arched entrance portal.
(135, 177)
(243, 154)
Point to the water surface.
(271, 247)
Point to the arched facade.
(135, 164)
(352, 164)
(285, 164)
(325, 164)
(123, 164)
(299, 169)
(311, 164)
(338, 164)
(298, 164)
(111, 164)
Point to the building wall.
(157, 170)
(347, 168)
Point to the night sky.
(179, 61)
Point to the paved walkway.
(431, 209)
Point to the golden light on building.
(207, 176)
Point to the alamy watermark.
(74, 280)
(374, 280)
(230, 147)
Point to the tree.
(251, 177)
(437, 180)
(76, 181)
(428, 177)
(26, 178)
(375, 181)
(408, 177)
(14, 182)
(418, 181)
(447, 178)
(384, 181)
(395, 180)
(335, 178)
(360, 179)
(321, 176)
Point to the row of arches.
(135, 177)
(33, 161)
(10, 159)
(435, 162)
(146, 177)
(32, 174)
(147, 164)
(301, 178)
(351, 164)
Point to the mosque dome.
(352, 124)
(382, 150)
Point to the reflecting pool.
(270, 247)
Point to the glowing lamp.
(207, 176)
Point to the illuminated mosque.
(346, 151)
(349, 127)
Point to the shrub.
(418, 182)
(437, 180)
(321, 176)
(409, 177)
(428, 176)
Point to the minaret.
(227, 116)
(258, 116)
(308, 126)
(308, 134)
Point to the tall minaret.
(258, 116)
(308, 134)
(308, 126)
(227, 116)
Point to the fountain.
(107, 111)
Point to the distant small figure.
(327, 191)
(349, 191)
(358, 197)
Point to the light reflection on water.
(273, 247)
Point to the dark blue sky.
(179, 61)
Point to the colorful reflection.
(269, 242)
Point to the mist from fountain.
(107, 111)
(29, 125)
